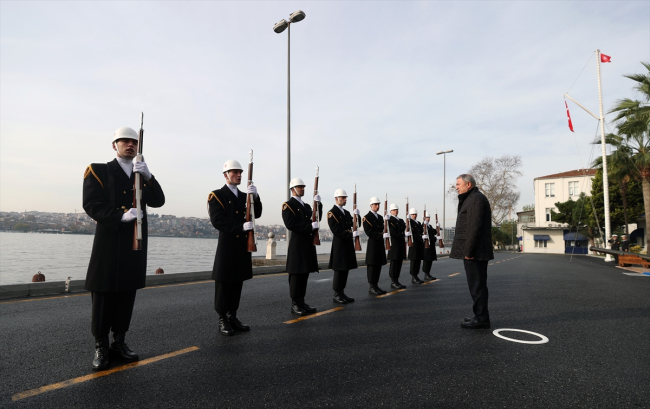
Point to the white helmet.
(340, 192)
(413, 211)
(374, 200)
(296, 182)
(125, 133)
(427, 214)
(393, 206)
(231, 165)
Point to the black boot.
(429, 277)
(416, 280)
(121, 351)
(374, 290)
(225, 328)
(395, 286)
(236, 324)
(345, 297)
(297, 309)
(309, 309)
(100, 361)
(339, 299)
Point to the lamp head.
(280, 26)
(297, 16)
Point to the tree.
(635, 203)
(500, 237)
(496, 178)
(528, 207)
(22, 227)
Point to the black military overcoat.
(232, 263)
(107, 193)
(416, 251)
(373, 226)
(342, 257)
(396, 228)
(430, 254)
(473, 237)
(301, 255)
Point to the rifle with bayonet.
(314, 213)
(250, 212)
(357, 242)
(426, 227)
(386, 221)
(440, 242)
(408, 223)
(137, 192)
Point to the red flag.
(569, 116)
(605, 58)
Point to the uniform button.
(237, 235)
(125, 192)
(236, 211)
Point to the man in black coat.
(416, 251)
(301, 255)
(115, 270)
(473, 244)
(373, 226)
(342, 258)
(615, 245)
(397, 252)
(232, 262)
(429, 253)
(625, 243)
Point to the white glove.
(317, 198)
(357, 212)
(248, 226)
(314, 225)
(407, 233)
(252, 189)
(425, 237)
(426, 222)
(142, 168)
(355, 234)
(438, 224)
(386, 236)
(131, 215)
(387, 216)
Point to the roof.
(571, 173)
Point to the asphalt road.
(402, 350)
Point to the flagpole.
(605, 177)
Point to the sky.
(377, 88)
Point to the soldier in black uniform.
(416, 251)
(115, 270)
(301, 255)
(615, 245)
(397, 252)
(373, 226)
(342, 258)
(232, 263)
(429, 253)
(625, 243)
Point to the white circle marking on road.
(543, 339)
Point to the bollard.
(271, 245)
(38, 277)
(160, 271)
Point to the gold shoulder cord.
(330, 214)
(285, 206)
(90, 170)
(213, 196)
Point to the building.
(540, 234)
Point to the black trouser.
(426, 266)
(298, 286)
(395, 269)
(111, 311)
(340, 280)
(477, 281)
(414, 269)
(226, 297)
(373, 274)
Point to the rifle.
(357, 242)
(440, 243)
(137, 192)
(386, 221)
(408, 222)
(425, 227)
(314, 217)
(250, 202)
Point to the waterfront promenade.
(405, 349)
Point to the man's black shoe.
(473, 324)
(236, 324)
(467, 319)
(345, 296)
(298, 310)
(429, 277)
(225, 328)
(401, 286)
(121, 351)
(100, 360)
(338, 299)
(416, 280)
(395, 286)
(374, 290)
(309, 309)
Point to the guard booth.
(575, 243)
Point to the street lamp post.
(444, 188)
(279, 27)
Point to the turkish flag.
(569, 116)
(605, 58)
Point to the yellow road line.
(390, 293)
(306, 317)
(270, 275)
(176, 285)
(432, 281)
(455, 274)
(70, 382)
(48, 298)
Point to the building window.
(550, 189)
(540, 243)
(548, 214)
(573, 189)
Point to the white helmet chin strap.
(228, 177)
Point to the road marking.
(176, 285)
(322, 279)
(432, 281)
(390, 293)
(48, 298)
(543, 339)
(70, 382)
(455, 274)
(270, 275)
(306, 317)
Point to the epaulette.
(330, 214)
(90, 170)
(285, 206)
(366, 220)
(212, 195)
